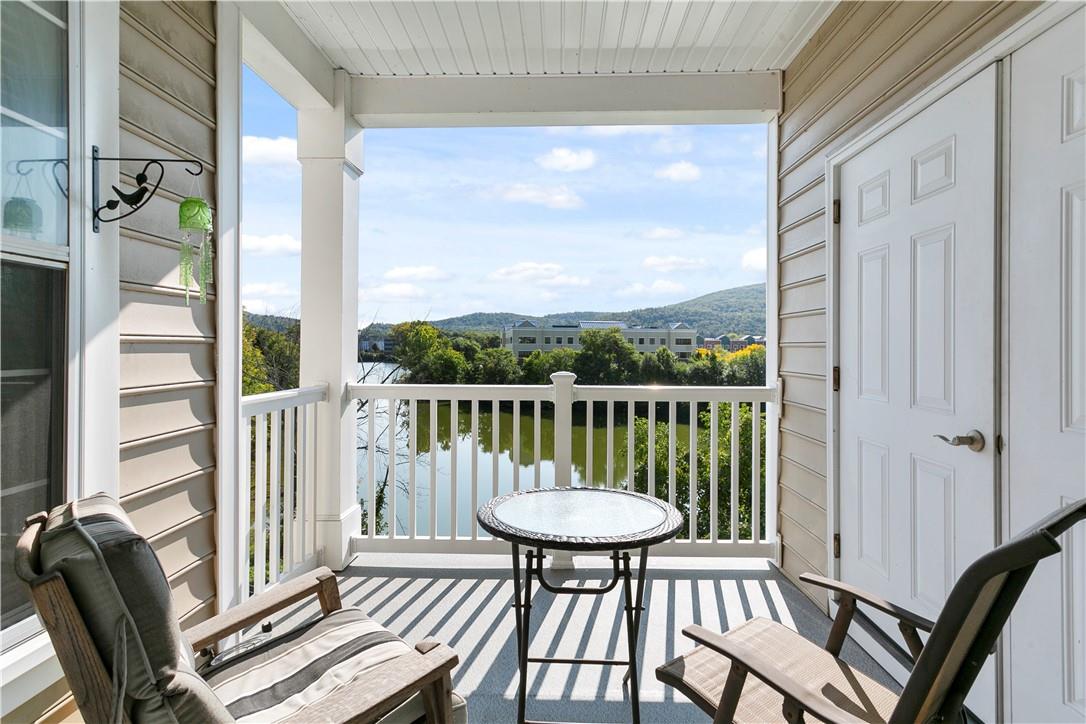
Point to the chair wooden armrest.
(320, 582)
(901, 614)
(385, 686)
(744, 658)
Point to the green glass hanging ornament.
(194, 218)
(22, 214)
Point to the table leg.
(641, 565)
(520, 606)
(632, 630)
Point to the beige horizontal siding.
(865, 60)
(167, 456)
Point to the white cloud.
(644, 130)
(679, 171)
(663, 232)
(542, 273)
(669, 144)
(754, 260)
(672, 263)
(417, 273)
(657, 288)
(567, 159)
(260, 150)
(268, 297)
(626, 130)
(391, 292)
(760, 151)
(271, 245)
(555, 197)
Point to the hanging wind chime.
(194, 220)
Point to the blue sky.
(528, 220)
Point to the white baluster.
(412, 454)
(260, 555)
(289, 481)
(652, 450)
(433, 469)
(756, 472)
(391, 491)
(454, 438)
(244, 501)
(693, 472)
(714, 462)
(631, 413)
(537, 415)
(735, 431)
(474, 468)
(610, 444)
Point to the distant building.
(734, 345)
(525, 337)
(376, 345)
(713, 342)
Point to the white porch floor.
(466, 602)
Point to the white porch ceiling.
(556, 37)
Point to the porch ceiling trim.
(274, 47)
(429, 102)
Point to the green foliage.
(414, 340)
(703, 461)
(269, 359)
(466, 346)
(441, 365)
(606, 358)
(538, 367)
(495, 367)
(254, 373)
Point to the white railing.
(423, 463)
(278, 529)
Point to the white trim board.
(432, 102)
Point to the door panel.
(1046, 365)
(917, 355)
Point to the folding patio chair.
(763, 671)
(102, 596)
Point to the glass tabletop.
(580, 513)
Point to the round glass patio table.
(579, 520)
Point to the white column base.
(334, 537)
(561, 561)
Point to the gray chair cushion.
(125, 600)
(280, 679)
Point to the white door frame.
(998, 48)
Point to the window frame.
(67, 258)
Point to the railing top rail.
(678, 393)
(282, 399)
(638, 393)
(451, 392)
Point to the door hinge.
(836, 379)
(999, 444)
(837, 211)
(836, 545)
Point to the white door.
(1046, 365)
(917, 356)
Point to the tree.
(746, 367)
(495, 366)
(668, 365)
(413, 342)
(254, 373)
(538, 367)
(282, 355)
(606, 358)
(466, 346)
(442, 365)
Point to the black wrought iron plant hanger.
(145, 191)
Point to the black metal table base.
(522, 605)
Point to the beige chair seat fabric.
(296, 671)
(701, 674)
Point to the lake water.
(442, 460)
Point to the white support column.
(330, 151)
(232, 535)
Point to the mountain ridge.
(736, 310)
